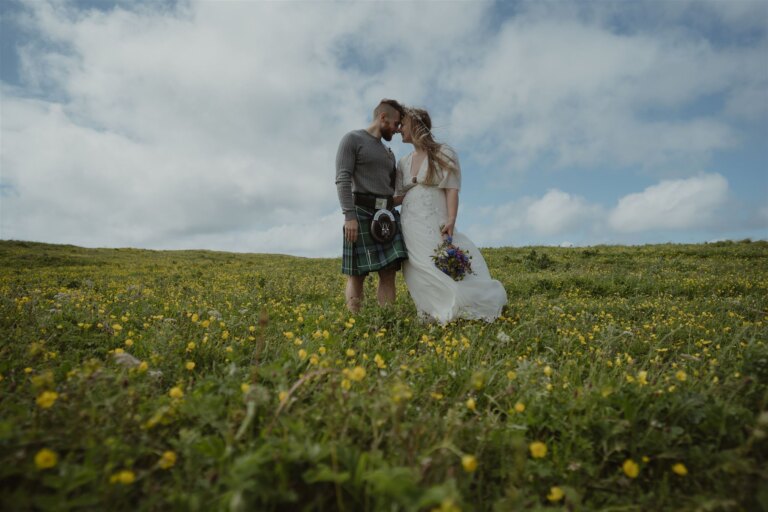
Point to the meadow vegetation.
(619, 378)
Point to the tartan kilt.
(366, 254)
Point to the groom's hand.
(350, 230)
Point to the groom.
(365, 182)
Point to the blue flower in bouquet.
(452, 260)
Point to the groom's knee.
(387, 276)
(355, 284)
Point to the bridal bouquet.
(452, 260)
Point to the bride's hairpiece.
(412, 112)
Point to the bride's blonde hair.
(421, 134)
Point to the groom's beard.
(387, 136)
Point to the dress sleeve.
(450, 178)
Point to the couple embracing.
(377, 238)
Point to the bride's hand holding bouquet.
(451, 259)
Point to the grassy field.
(620, 378)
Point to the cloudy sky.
(214, 124)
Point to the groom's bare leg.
(386, 291)
(354, 293)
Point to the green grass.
(652, 354)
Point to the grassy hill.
(620, 378)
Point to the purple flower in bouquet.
(452, 260)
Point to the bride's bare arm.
(452, 200)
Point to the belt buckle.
(381, 203)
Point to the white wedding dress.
(436, 295)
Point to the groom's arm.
(345, 168)
(397, 199)
(346, 157)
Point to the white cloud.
(558, 212)
(672, 205)
(530, 220)
(167, 127)
(215, 124)
(579, 93)
(696, 203)
(316, 237)
(762, 217)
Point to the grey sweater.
(363, 165)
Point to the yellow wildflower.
(511, 375)
(447, 505)
(631, 468)
(471, 405)
(302, 354)
(680, 469)
(282, 396)
(125, 477)
(519, 407)
(351, 352)
(46, 399)
(168, 460)
(555, 494)
(401, 392)
(143, 366)
(357, 373)
(195, 317)
(379, 361)
(176, 392)
(345, 384)
(245, 387)
(44, 380)
(46, 458)
(190, 365)
(681, 376)
(547, 371)
(538, 449)
(478, 380)
(642, 378)
(129, 342)
(469, 463)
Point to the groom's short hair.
(389, 107)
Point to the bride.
(427, 186)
